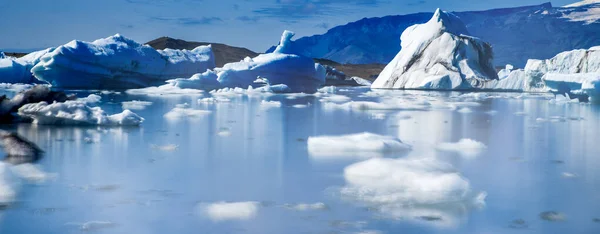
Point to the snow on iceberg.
(76, 113)
(439, 55)
(362, 144)
(282, 67)
(118, 62)
(18, 70)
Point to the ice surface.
(224, 211)
(466, 147)
(270, 104)
(92, 98)
(76, 113)
(118, 62)
(135, 105)
(439, 55)
(353, 145)
(165, 90)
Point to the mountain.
(223, 53)
(516, 34)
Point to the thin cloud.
(299, 9)
(189, 21)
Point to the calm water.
(129, 180)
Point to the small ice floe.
(213, 100)
(423, 189)
(15, 87)
(224, 132)
(306, 207)
(183, 105)
(168, 147)
(465, 110)
(386, 105)
(76, 113)
(300, 106)
(109, 92)
(165, 90)
(180, 113)
(355, 145)
(568, 175)
(369, 232)
(225, 211)
(378, 116)
(135, 105)
(291, 96)
(540, 120)
(557, 119)
(492, 112)
(518, 224)
(520, 113)
(553, 216)
(92, 225)
(91, 99)
(270, 104)
(466, 147)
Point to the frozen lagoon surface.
(243, 166)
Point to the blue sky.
(255, 24)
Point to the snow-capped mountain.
(516, 34)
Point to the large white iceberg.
(574, 73)
(18, 70)
(439, 55)
(76, 113)
(282, 67)
(117, 62)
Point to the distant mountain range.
(223, 53)
(516, 34)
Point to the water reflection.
(242, 152)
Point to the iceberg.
(584, 86)
(282, 67)
(39, 93)
(17, 70)
(224, 211)
(439, 55)
(118, 62)
(76, 113)
(355, 145)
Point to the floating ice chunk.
(361, 81)
(120, 63)
(355, 145)
(92, 225)
(92, 98)
(169, 147)
(135, 105)
(386, 105)
(165, 90)
(465, 110)
(76, 113)
(553, 216)
(466, 147)
(270, 104)
(179, 113)
(300, 106)
(213, 100)
(307, 207)
(223, 211)
(408, 182)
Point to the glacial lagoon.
(176, 173)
